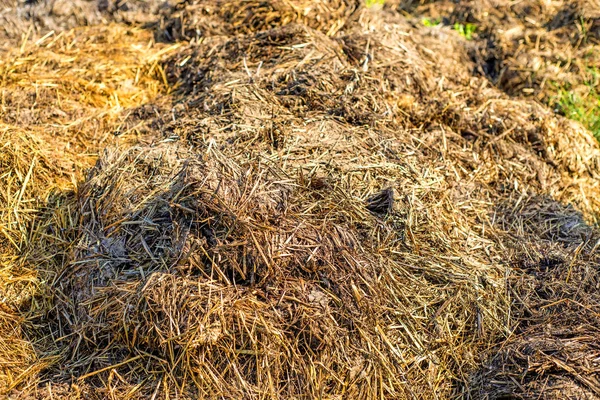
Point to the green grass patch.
(581, 106)
(429, 22)
(373, 3)
(465, 30)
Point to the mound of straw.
(328, 201)
(63, 98)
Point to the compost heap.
(285, 199)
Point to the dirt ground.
(286, 199)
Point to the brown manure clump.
(294, 200)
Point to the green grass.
(582, 107)
(372, 3)
(431, 22)
(585, 109)
(465, 30)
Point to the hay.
(327, 202)
(20, 20)
(530, 48)
(189, 20)
(59, 106)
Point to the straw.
(283, 200)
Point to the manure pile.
(282, 200)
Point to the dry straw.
(295, 200)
